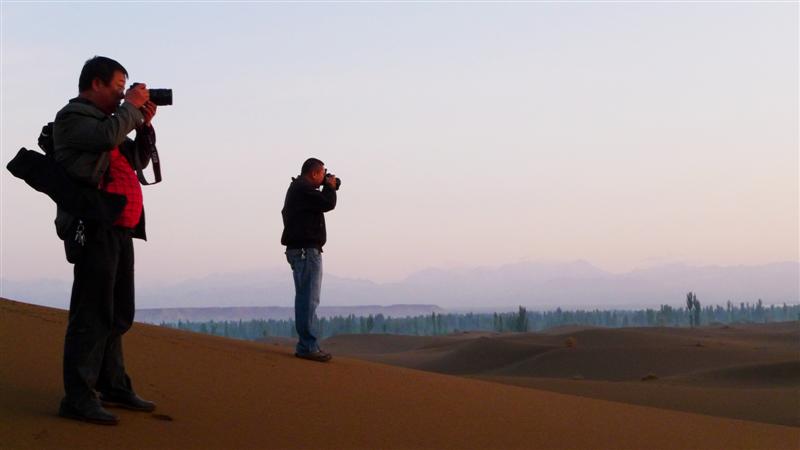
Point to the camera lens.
(161, 97)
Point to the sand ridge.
(747, 371)
(218, 393)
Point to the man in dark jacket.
(91, 144)
(304, 236)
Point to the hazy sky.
(625, 134)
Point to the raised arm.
(82, 130)
(314, 199)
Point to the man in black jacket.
(90, 143)
(304, 235)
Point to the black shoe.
(89, 412)
(129, 401)
(318, 356)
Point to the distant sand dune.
(771, 375)
(631, 364)
(774, 405)
(472, 357)
(743, 371)
(224, 394)
(601, 354)
(379, 343)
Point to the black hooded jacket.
(303, 214)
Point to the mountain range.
(536, 285)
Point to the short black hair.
(311, 165)
(99, 67)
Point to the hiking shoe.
(88, 412)
(130, 401)
(318, 356)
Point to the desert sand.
(749, 372)
(215, 393)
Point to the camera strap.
(150, 141)
(156, 170)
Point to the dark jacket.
(303, 214)
(83, 135)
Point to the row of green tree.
(521, 320)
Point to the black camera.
(338, 180)
(161, 97)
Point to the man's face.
(318, 176)
(108, 96)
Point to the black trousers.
(101, 310)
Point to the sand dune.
(776, 405)
(772, 375)
(471, 357)
(380, 343)
(745, 371)
(631, 364)
(600, 354)
(218, 393)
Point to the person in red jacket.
(90, 143)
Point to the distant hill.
(537, 285)
(159, 315)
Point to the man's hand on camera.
(330, 181)
(148, 111)
(137, 95)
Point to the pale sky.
(624, 134)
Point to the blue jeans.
(306, 266)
